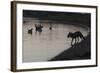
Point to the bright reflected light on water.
(42, 47)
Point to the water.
(42, 47)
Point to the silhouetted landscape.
(60, 17)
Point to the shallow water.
(49, 43)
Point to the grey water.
(39, 47)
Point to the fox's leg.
(75, 40)
(83, 38)
(72, 42)
(78, 39)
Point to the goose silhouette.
(30, 31)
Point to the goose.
(30, 31)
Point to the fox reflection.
(75, 36)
